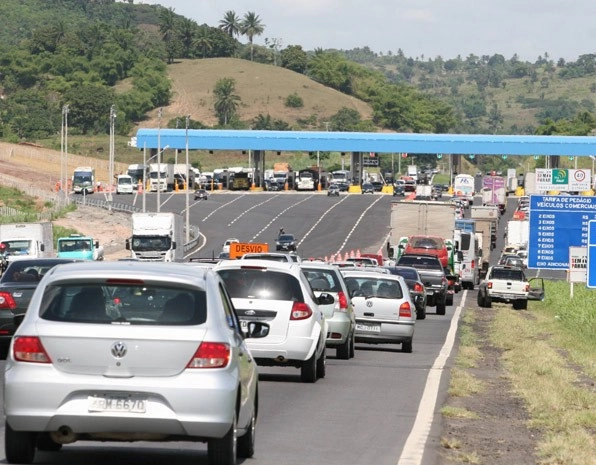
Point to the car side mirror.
(256, 330)
(325, 299)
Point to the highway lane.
(365, 408)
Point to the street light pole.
(111, 162)
(159, 113)
(144, 173)
(187, 185)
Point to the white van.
(468, 260)
(124, 184)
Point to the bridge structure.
(359, 145)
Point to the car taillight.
(473, 265)
(405, 310)
(343, 301)
(527, 288)
(418, 287)
(489, 285)
(29, 349)
(300, 311)
(6, 301)
(210, 355)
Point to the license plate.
(117, 404)
(368, 327)
(244, 325)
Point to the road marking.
(414, 447)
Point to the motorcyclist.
(281, 231)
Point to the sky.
(420, 28)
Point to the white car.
(385, 312)
(273, 256)
(227, 243)
(279, 294)
(131, 351)
(340, 314)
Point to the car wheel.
(421, 314)
(441, 308)
(449, 299)
(222, 451)
(322, 364)
(308, 370)
(480, 300)
(488, 302)
(352, 345)
(19, 446)
(246, 443)
(406, 346)
(343, 351)
(45, 443)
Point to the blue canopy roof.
(477, 144)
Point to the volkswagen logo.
(119, 349)
(369, 303)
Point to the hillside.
(262, 88)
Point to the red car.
(432, 245)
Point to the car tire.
(246, 443)
(19, 446)
(222, 451)
(449, 299)
(421, 315)
(308, 370)
(322, 364)
(352, 345)
(45, 443)
(406, 346)
(480, 300)
(488, 302)
(441, 307)
(343, 350)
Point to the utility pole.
(187, 185)
(159, 113)
(111, 161)
(64, 152)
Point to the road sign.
(591, 265)
(237, 249)
(558, 222)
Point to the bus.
(463, 186)
(83, 180)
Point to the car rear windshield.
(323, 280)
(123, 304)
(429, 263)
(406, 273)
(512, 275)
(374, 287)
(261, 284)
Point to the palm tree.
(186, 31)
(226, 101)
(252, 26)
(230, 24)
(202, 40)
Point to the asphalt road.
(382, 407)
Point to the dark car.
(368, 188)
(17, 285)
(286, 242)
(399, 189)
(201, 194)
(378, 185)
(415, 285)
(333, 190)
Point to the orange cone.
(352, 254)
(357, 253)
(347, 255)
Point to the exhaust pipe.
(64, 435)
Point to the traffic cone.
(347, 255)
(140, 188)
(357, 253)
(325, 258)
(352, 254)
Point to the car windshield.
(420, 262)
(123, 304)
(286, 238)
(261, 284)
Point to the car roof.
(291, 267)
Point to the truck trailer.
(26, 240)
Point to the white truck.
(412, 171)
(518, 233)
(411, 218)
(83, 180)
(508, 284)
(486, 219)
(305, 181)
(161, 176)
(494, 192)
(26, 240)
(156, 237)
(138, 173)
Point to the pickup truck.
(508, 284)
(433, 277)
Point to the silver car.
(385, 312)
(340, 314)
(131, 351)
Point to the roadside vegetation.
(548, 354)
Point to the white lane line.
(416, 442)
(277, 216)
(319, 220)
(356, 225)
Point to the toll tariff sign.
(237, 249)
(558, 222)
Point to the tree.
(230, 24)
(294, 58)
(252, 26)
(167, 28)
(226, 101)
(186, 33)
(202, 41)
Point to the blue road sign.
(591, 270)
(558, 222)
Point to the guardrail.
(126, 208)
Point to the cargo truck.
(493, 192)
(26, 240)
(487, 223)
(79, 247)
(83, 180)
(161, 176)
(518, 234)
(156, 237)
